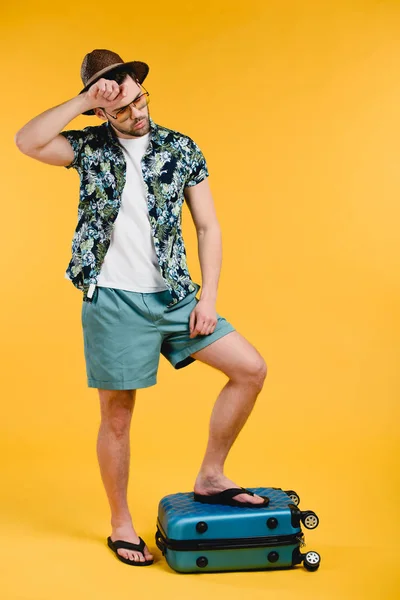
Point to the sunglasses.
(139, 102)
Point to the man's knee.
(260, 372)
(116, 407)
(255, 371)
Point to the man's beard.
(135, 132)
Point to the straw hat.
(98, 62)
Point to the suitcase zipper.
(164, 543)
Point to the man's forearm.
(44, 127)
(210, 258)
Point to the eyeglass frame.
(146, 93)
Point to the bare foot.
(212, 484)
(128, 534)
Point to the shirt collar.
(155, 133)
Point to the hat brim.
(140, 69)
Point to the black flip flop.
(129, 546)
(227, 498)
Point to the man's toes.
(247, 498)
(258, 498)
(135, 556)
(129, 554)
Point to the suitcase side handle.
(160, 542)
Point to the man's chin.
(140, 130)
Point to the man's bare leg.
(113, 452)
(247, 370)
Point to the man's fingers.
(207, 328)
(114, 91)
(203, 326)
(108, 90)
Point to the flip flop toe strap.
(129, 546)
(246, 491)
(232, 492)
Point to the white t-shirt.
(131, 261)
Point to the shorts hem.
(132, 384)
(203, 343)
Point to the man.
(138, 296)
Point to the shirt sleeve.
(197, 166)
(76, 138)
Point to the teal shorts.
(124, 333)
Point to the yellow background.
(296, 108)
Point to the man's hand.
(203, 318)
(105, 93)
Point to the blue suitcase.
(196, 537)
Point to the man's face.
(127, 128)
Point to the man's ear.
(100, 113)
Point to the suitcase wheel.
(312, 560)
(293, 496)
(309, 519)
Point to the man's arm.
(40, 138)
(201, 206)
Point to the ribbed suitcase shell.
(196, 537)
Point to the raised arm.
(40, 138)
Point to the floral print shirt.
(171, 162)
